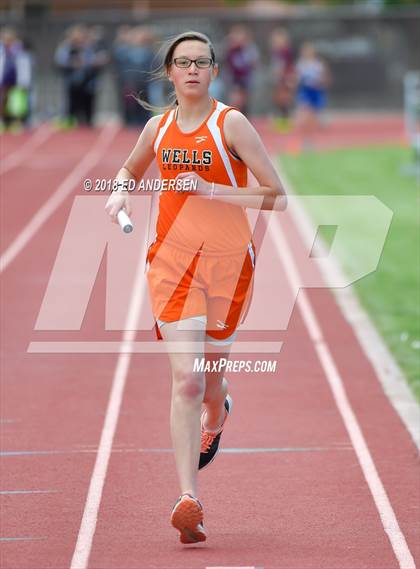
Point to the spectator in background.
(96, 37)
(313, 79)
(81, 57)
(120, 58)
(15, 80)
(133, 56)
(283, 74)
(241, 58)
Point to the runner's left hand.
(195, 184)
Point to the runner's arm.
(133, 169)
(244, 140)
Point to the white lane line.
(71, 182)
(380, 497)
(15, 158)
(22, 538)
(8, 492)
(242, 450)
(87, 529)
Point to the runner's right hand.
(115, 202)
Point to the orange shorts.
(184, 284)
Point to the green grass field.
(391, 294)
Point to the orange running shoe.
(187, 517)
(210, 441)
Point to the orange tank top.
(190, 221)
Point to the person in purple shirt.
(241, 58)
(282, 73)
(15, 80)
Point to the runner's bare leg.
(188, 388)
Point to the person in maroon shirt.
(283, 73)
(241, 58)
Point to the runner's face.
(191, 81)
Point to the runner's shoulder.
(150, 128)
(236, 126)
(235, 120)
(234, 116)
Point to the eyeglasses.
(185, 62)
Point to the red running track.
(288, 492)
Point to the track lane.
(15, 146)
(26, 187)
(57, 401)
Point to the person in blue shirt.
(313, 79)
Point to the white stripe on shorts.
(202, 319)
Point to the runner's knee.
(188, 385)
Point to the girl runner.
(201, 262)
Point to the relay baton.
(124, 221)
